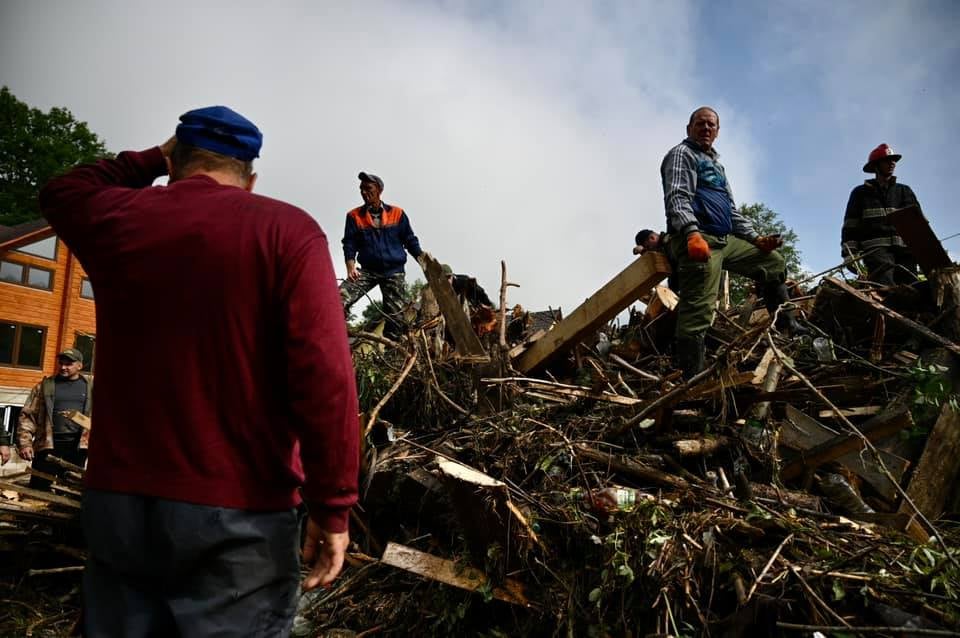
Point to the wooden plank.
(863, 410)
(603, 305)
(895, 316)
(467, 342)
(879, 427)
(540, 386)
(450, 573)
(939, 467)
(915, 231)
(40, 495)
(802, 432)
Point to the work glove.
(422, 260)
(697, 247)
(768, 243)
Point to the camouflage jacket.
(35, 427)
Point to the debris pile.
(796, 485)
(555, 475)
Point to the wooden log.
(913, 326)
(785, 497)
(467, 342)
(602, 306)
(802, 432)
(937, 471)
(879, 427)
(700, 447)
(632, 469)
(451, 573)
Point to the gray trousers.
(159, 568)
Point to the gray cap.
(71, 353)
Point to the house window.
(85, 344)
(46, 248)
(21, 346)
(26, 275)
(11, 272)
(86, 288)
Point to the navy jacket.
(380, 250)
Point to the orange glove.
(768, 243)
(697, 247)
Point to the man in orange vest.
(378, 236)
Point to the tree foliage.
(35, 146)
(766, 222)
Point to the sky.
(529, 132)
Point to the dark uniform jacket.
(865, 224)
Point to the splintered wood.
(450, 573)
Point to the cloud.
(531, 134)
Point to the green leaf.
(839, 593)
(595, 595)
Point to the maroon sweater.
(223, 371)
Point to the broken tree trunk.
(939, 467)
(486, 514)
(451, 573)
(602, 306)
(879, 427)
(466, 340)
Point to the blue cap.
(221, 130)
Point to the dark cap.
(373, 179)
(71, 353)
(221, 130)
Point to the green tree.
(35, 146)
(766, 222)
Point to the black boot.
(775, 294)
(690, 355)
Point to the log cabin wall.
(60, 311)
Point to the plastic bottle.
(609, 500)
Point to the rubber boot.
(775, 294)
(690, 356)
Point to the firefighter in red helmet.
(866, 228)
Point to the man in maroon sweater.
(225, 382)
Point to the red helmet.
(879, 153)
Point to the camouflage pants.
(700, 281)
(392, 288)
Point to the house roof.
(13, 237)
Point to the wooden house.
(46, 306)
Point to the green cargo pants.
(699, 282)
(392, 288)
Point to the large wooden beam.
(467, 341)
(879, 427)
(636, 279)
(915, 231)
(938, 468)
(895, 316)
(802, 432)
